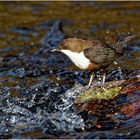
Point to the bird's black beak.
(55, 50)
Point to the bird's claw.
(103, 88)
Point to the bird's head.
(73, 44)
(64, 45)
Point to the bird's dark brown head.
(73, 44)
(64, 45)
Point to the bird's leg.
(103, 71)
(91, 79)
(104, 76)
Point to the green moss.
(99, 93)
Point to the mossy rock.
(109, 91)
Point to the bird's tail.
(120, 45)
(128, 38)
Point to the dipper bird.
(92, 54)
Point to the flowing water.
(37, 87)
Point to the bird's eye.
(64, 46)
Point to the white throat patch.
(77, 58)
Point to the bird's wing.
(100, 53)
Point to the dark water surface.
(34, 80)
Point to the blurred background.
(24, 22)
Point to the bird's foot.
(103, 88)
(87, 86)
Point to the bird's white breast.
(77, 58)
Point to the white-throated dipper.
(92, 54)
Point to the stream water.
(37, 86)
